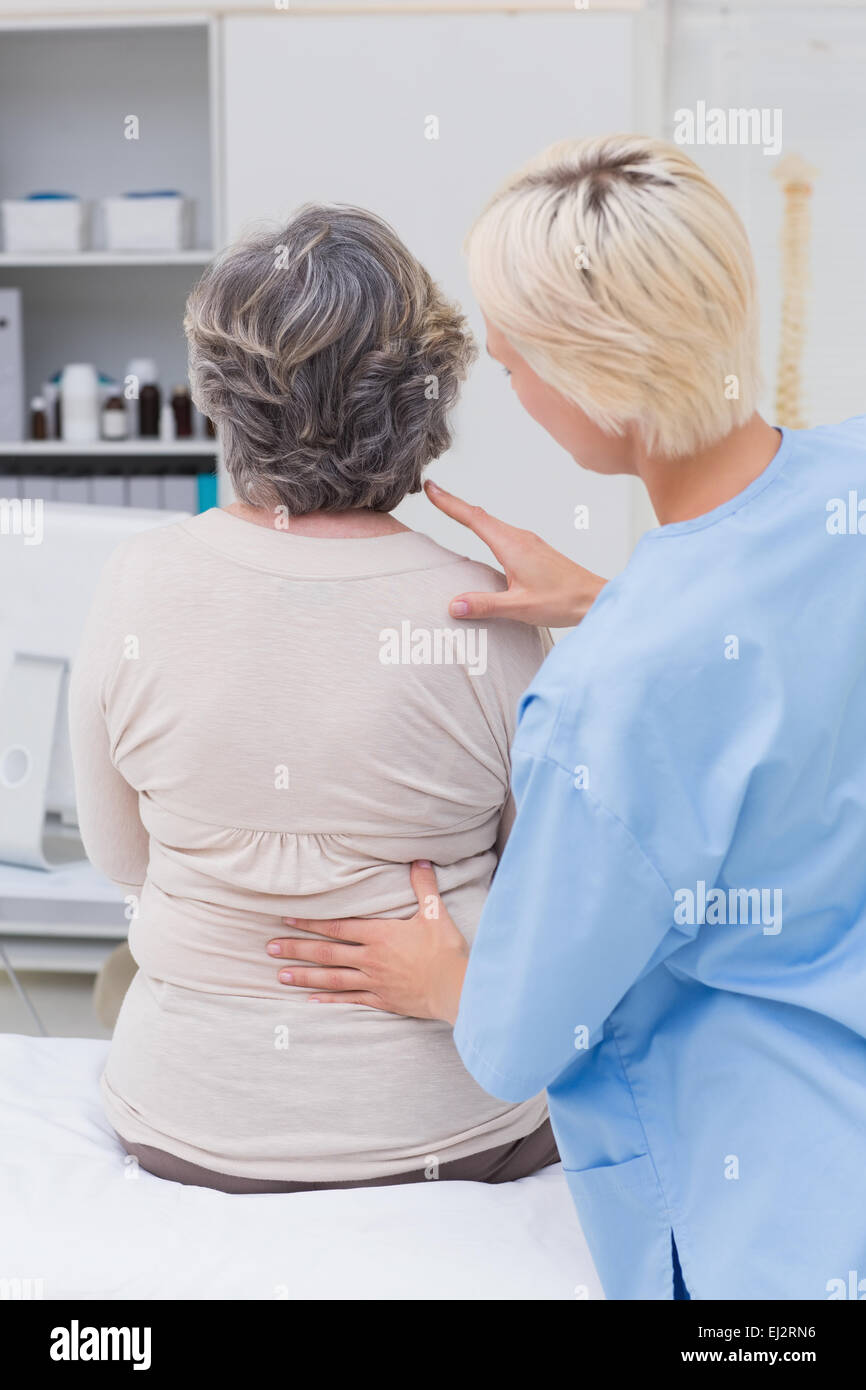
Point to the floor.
(64, 1002)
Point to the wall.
(804, 57)
(334, 109)
(267, 7)
(808, 60)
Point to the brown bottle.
(182, 407)
(38, 418)
(148, 410)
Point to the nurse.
(674, 944)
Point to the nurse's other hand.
(544, 587)
(411, 966)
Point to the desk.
(65, 919)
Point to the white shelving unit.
(67, 88)
(133, 448)
(82, 259)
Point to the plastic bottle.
(79, 398)
(166, 424)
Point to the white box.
(44, 224)
(148, 224)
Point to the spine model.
(795, 177)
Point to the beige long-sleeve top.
(269, 725)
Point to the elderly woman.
(271, 719)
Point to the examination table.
(78, 1221)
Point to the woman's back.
(300, 720)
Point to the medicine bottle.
(113, 417)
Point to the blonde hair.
(625, 279)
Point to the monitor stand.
(30, 705)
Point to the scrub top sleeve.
(575, 914)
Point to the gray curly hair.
(328, 361)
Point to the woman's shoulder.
(482, 577)
(141, 546)
(520, 644)
(143, 554)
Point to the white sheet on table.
(71, 1217)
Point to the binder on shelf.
(109, 490)
(180, 492)
(11, 366)
(145, 491)
(73, 490)
(119, 481)
(207, 491)
(38, 485)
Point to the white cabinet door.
(337, 109)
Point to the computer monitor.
(51, 556)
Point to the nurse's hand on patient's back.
(413, 967)
(544, 587)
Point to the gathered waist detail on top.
(309, 874)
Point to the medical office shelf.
(67, 83)
(131, 448)
(82, 260)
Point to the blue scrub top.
(675, 941)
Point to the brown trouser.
(504, 1163)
